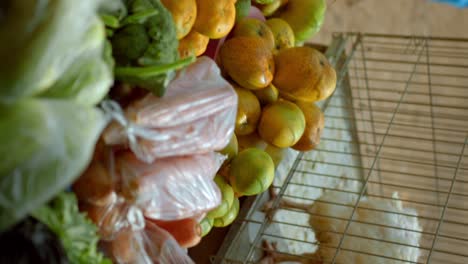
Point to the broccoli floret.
(130, 43)
(146, 38)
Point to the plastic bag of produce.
(117, 188)
(170, 188)
(114, 217)
(187, 232)
(99, 196)
(196, 115)
(149, 245)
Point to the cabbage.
(45, 146)
(44, 41)
(88, 79)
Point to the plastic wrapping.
(187, 232)
(146, 246)
(114, 217)
(196, 115)
(117, 189)
(171, 188)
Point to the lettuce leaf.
(77, 233)
(88, 80)
(40, 40)
(45, 146)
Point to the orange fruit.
(252, 172)
(215, 19)
(229, 217)
(271, 8)
(305, 17)
(231, 148)
(206, 225)
(248, 111)
(267, 95)
(248, 61)
(282, 33)
(227, 198)
(303, 74)
(315, 121)
(281, 124)
(251, 27)
(251, 141)
(193, 44)
(184, 13)
(255, 141)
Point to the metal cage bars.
(382, 112)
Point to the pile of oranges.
(198, 21)
(277, 82)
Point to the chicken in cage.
(389, 181)
(326, 219)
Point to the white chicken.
(382, 230)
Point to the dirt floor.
(406, 17)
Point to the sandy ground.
(413, 17)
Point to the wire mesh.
(396, 132)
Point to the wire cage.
(389, 181)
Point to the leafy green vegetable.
(130, 43)
(146, 39)
(45, 145)
(41, 40)
(264, 2)
(115, 10)
(147, 76)
(89, 78)
(242, 9)
(77, 233)
(155, 21)
(110, 21)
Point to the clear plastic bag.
(146, 246)
(187, 232)
(114, 217)
(171, 188)
(117, 189)
(196, 115)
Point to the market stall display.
(131, 112)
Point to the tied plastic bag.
(114, 217)
(171, 188)
(187, 232)
(149, 245)
(196, 115)
(117, 189)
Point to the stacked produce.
(156, 166)
(277, 83)
(198, 21)
(143, 177)
(131, 128)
